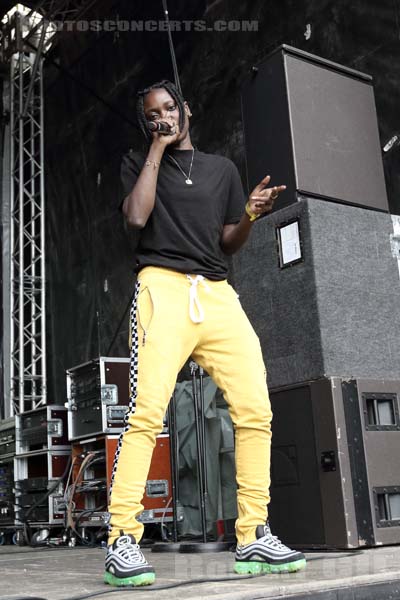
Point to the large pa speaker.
(320, 284)
(311, 124)
(335, 468)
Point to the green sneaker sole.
(142, 579)
(255, 568)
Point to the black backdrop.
(89, 112)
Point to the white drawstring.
(194, 302)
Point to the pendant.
(188, 181)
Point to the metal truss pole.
(25, 342)
(27, 233)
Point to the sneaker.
(126, 565)
(267, 554)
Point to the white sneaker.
(126, 565)
(267, 554)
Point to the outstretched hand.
(262, 198)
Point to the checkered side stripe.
(133, 376)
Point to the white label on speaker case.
(290, 243)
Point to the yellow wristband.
(252, 216)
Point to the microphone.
(160, 126)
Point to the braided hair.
(172, 91)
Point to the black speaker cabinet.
(335, 463)
(320, 284)
(311, 124)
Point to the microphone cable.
(171, 48)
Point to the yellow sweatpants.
(177, 316)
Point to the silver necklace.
(188, 181)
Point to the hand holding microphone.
(161, 127)
(164, 133)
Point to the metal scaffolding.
(25, 39)
(27, 230)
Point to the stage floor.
(66, 573)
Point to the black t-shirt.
(184, 229)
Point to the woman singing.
(191, 212)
